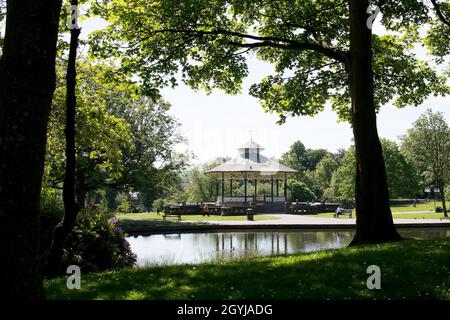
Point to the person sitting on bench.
(339, 210)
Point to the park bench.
(236, 209)
(343, 212)
(165, 215)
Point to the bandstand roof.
(256, 166)
(250, 145)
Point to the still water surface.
(201, 247)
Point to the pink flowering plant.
(98, 243)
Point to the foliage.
(51, 200)
(151, 167)
(306, 161)
(324, 171)
(438, 35)
(123, 202)
(201, 187)
(98, 199)
(158, 205)
(302, 159)
(315, 166)
(301, 192)
(306, 41)
(342, 184)
(97, 243)
(123, 140)
(427, 145)
(100, 140)
(402, 177)
(51, 213)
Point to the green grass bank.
(411, 269)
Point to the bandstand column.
(217, 188)
(285, 188)
(256, 183)
(223, 188)
(271, 188)
(245, 187)
(231, 187)
(277, 187)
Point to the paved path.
(291, 219)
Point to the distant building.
(252, 166)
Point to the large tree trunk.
(444, 206)
(63, 229)
(374, 221)
(27, 82)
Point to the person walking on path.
(205, 210)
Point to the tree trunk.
(63, 229)
(81, 187)
(27, 82)
(111, 194)
(444, 206)
(81, 199)
(374, 221)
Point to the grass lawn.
(431, 215)
(413, 269)
(395, 215)
(137, 224)
(419, 207)
(153, 216)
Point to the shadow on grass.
(409, 270)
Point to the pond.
(202, 247)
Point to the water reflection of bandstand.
(172, 236)
(234, 245)
(250, 244)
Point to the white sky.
(216, 124)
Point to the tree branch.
(301, 46)
(275, 42)
(440, 14)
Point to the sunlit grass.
(419, 207)
(154, 216)
(418, 215)
(397, 213)
(410, 269)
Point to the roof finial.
(250, 133)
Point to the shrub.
(98, 243)
(301, 192)
(52, 211)
(158, 204)
(347, 203)
(123, 203)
